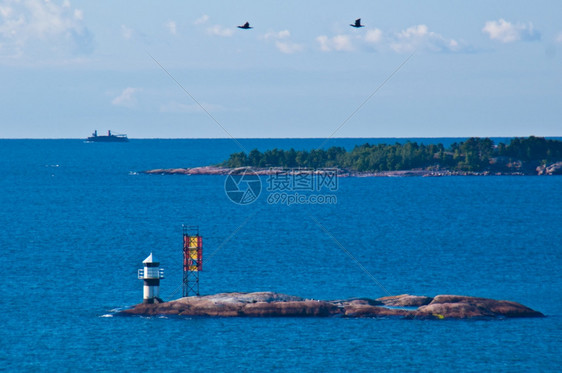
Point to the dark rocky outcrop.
(268, 304)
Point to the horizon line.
(286, 138)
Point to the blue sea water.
(77, 220)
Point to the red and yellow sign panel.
(192, 253)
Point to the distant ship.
(109, 138)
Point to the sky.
(182, 69)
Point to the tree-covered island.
(531, 155)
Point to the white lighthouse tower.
(151, 274)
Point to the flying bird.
(357, 23)
(246, 26)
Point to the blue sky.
(478, 68)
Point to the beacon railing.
(151, 273)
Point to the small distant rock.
(554, 169)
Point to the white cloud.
(54, 27)
(215, 30)
(416, 37)
(204, 18)
(558, 38)
(342, 43)
(177, 107)
(277, 35)
(288, 47)
(282, 43)
(323, 40)
(126, 98)
(6, 11)
(373, 36)
(126, 33)
(218, 30)
(419, 37)
(172, 27)
(507, 32)
(335, 43)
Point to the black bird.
(246, 26)
(357, 23)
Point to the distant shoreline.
(215, 170)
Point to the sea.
(77, 220)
